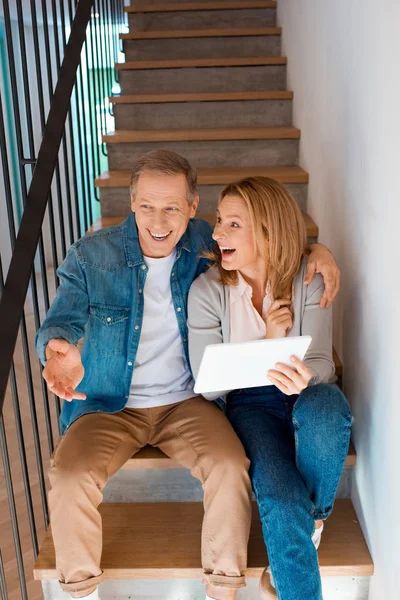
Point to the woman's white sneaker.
(316, 536)
(267, 583)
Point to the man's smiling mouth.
(160, 237)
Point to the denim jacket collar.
(133, 251)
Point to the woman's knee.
(320, 401)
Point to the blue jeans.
(297, 446)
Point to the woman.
(296, 430)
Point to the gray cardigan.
(209, 321)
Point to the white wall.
(344, 67)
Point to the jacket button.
(179, 309)
(136, 327)
(144, 267)
(129, 363)
(108, 319)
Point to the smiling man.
(124, 290)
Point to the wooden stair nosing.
(104, 222)
(200, 97)
(201, 33)
(183, 63)
(199, 6)
(215, 176)
(151, 457)
(163, 541)
(188, 135)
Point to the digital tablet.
(245, 365)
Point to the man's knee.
(72, 468)
(227, 466)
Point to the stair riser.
(202, 19)
(173, 485)
(209, 47)
(334, 588)
(197, 115)
(207, 154)
(262, 78)
(116, 201)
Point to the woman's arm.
(204, 322)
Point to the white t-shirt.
(161, 375)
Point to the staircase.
(207, 80)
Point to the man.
(124, 290)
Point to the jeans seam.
(270, 553)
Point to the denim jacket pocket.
(109, 328)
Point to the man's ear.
(133, 206)
(194, 206)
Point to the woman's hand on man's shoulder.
(321, 260)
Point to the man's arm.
(321, 260)
(67, 316)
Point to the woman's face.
(234, 234)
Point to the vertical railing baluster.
(96, 93)
(99, 64)
(65, 148)
(3, 583)
(12, 508)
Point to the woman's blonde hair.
(276, 217)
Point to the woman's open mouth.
(159, 237)
(226, 251)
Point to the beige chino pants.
(194, 432)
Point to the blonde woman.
(296, 431)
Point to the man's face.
(162, 212)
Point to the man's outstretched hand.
(321, 260)
(64, 369)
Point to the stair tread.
(201, 62)
(200, 97)
(103, 222)
(201, 33)
(215, 176)
(162, 541)
(166, 135)
(192, 6)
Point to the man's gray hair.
(167, 163)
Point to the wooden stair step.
(200, 97)
(150, 457)
(162, 541)
(194, 6)
(217, 176)
(201, 33)
(103, 222)
(176, 135)
(182, 63)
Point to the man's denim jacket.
(100, 298)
